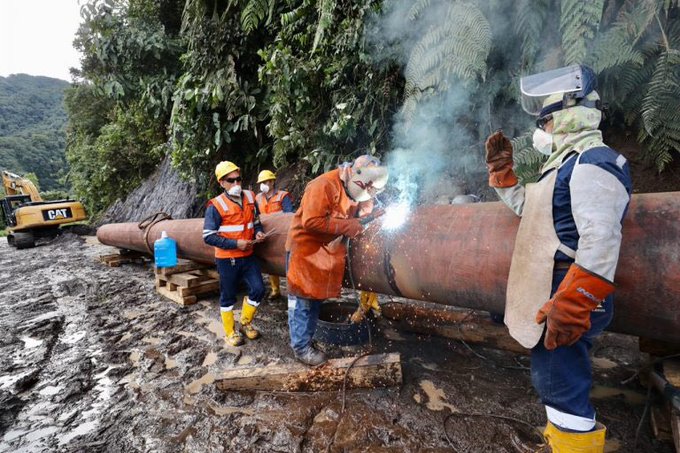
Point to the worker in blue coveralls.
(232, 226)
(560, 286)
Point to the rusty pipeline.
(460, 255)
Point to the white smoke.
(432, 150)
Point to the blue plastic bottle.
(165, 251)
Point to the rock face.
(163, 191)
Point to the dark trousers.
(563, 377)
(232, 272)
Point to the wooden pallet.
(123, 257)
(186, 281)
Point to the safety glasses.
(233, 180)
(542, 121)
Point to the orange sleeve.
(316, 205)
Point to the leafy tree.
(120, 106)
(290, 81)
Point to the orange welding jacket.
(317, 250)
(237, 223)
(274, 204)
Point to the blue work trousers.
(303, 314)
(563, 377)
(232, 272)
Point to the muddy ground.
(92, 359)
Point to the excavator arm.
(16, 185)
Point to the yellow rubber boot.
(232, 337)
(275, 283)
(247, 315)
(565, 442)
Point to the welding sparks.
(395, 216)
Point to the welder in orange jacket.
(330, 210)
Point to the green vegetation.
(283, 81)
(32, 128)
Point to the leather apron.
(533, 260)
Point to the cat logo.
(57, 214)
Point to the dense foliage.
(32, 128)
(282, 81)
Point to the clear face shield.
(537, 88)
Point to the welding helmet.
(368, 178)
(571, 84)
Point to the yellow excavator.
(28, 217)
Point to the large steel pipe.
(460, 255)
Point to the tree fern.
(417, 9)
(326, 8)
(578, 22)
(458, 46)
(529, 22)
(255, 12)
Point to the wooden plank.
(176, 297)
(379, 370)
(182, 266)
(208, 286)
(187, 280)
(660, 421)
(212, 273)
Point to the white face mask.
(543, 142)
(264, 188)
(235, 191)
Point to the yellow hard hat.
(224, 168)
(265, 175)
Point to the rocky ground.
(92, 359)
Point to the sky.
(36, 37)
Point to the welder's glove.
(499, 161)
(567, 314)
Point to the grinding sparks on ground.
(395, 216)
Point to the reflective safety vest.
(237, 223)
(274, 204)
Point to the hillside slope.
(33, 127)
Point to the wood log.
(379, 370)
(451, 323)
